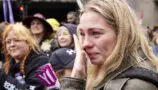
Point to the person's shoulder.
(38, 54)
(37, 58)
(129, 84)
(41, 58)
(138, 84)
(35, 61)
(140, 79)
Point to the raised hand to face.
(80, 65)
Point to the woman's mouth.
(91, 55)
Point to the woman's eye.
(32, 23)
(8, 41)
(82, 34)
(58, 34)
(38, 23)
(95, 33)
(65, 33)
(17, 40)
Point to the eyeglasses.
(9, 41)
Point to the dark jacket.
(1, 57)
(33, 62)
(126, 77)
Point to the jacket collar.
(123, 67)
(32, 55)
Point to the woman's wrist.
(78, 75)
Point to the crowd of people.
(100, 48)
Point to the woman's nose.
(12, 43)
(87, 42)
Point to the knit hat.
(27, 21)
(71, 27)
(62, 58)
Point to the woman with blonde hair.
(23, 60)
(107, 53)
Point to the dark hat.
(27, 21)
(71, 27)
(62, 58)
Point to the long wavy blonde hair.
(23, 33)
(120, 16)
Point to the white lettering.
(45, 78)
(49, 75)
(70, 51)
(32, 88)
(9, 86)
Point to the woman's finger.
(79, 65)
(77, 43)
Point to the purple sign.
(11, 18)
(47, 76)
(5, 10)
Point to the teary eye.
(95, 33)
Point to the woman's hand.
(80, 65)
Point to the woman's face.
(16, 47)
(64, 37)
(37, 28)
(98, 38)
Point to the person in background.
(41, 30)
(62, 58)
(107, 50)
(62, 61)
(65, 35)
(154, 40)
(154, 32)
(55, 25)
(72, 17)
(23, 60)
(2, 26)
(155, 44)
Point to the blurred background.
(49, 8)
(146, 10)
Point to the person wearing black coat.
(108, 46)
(41, 31)
(33, 62)
(25, 67)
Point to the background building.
(49, 8)
(147, 10)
